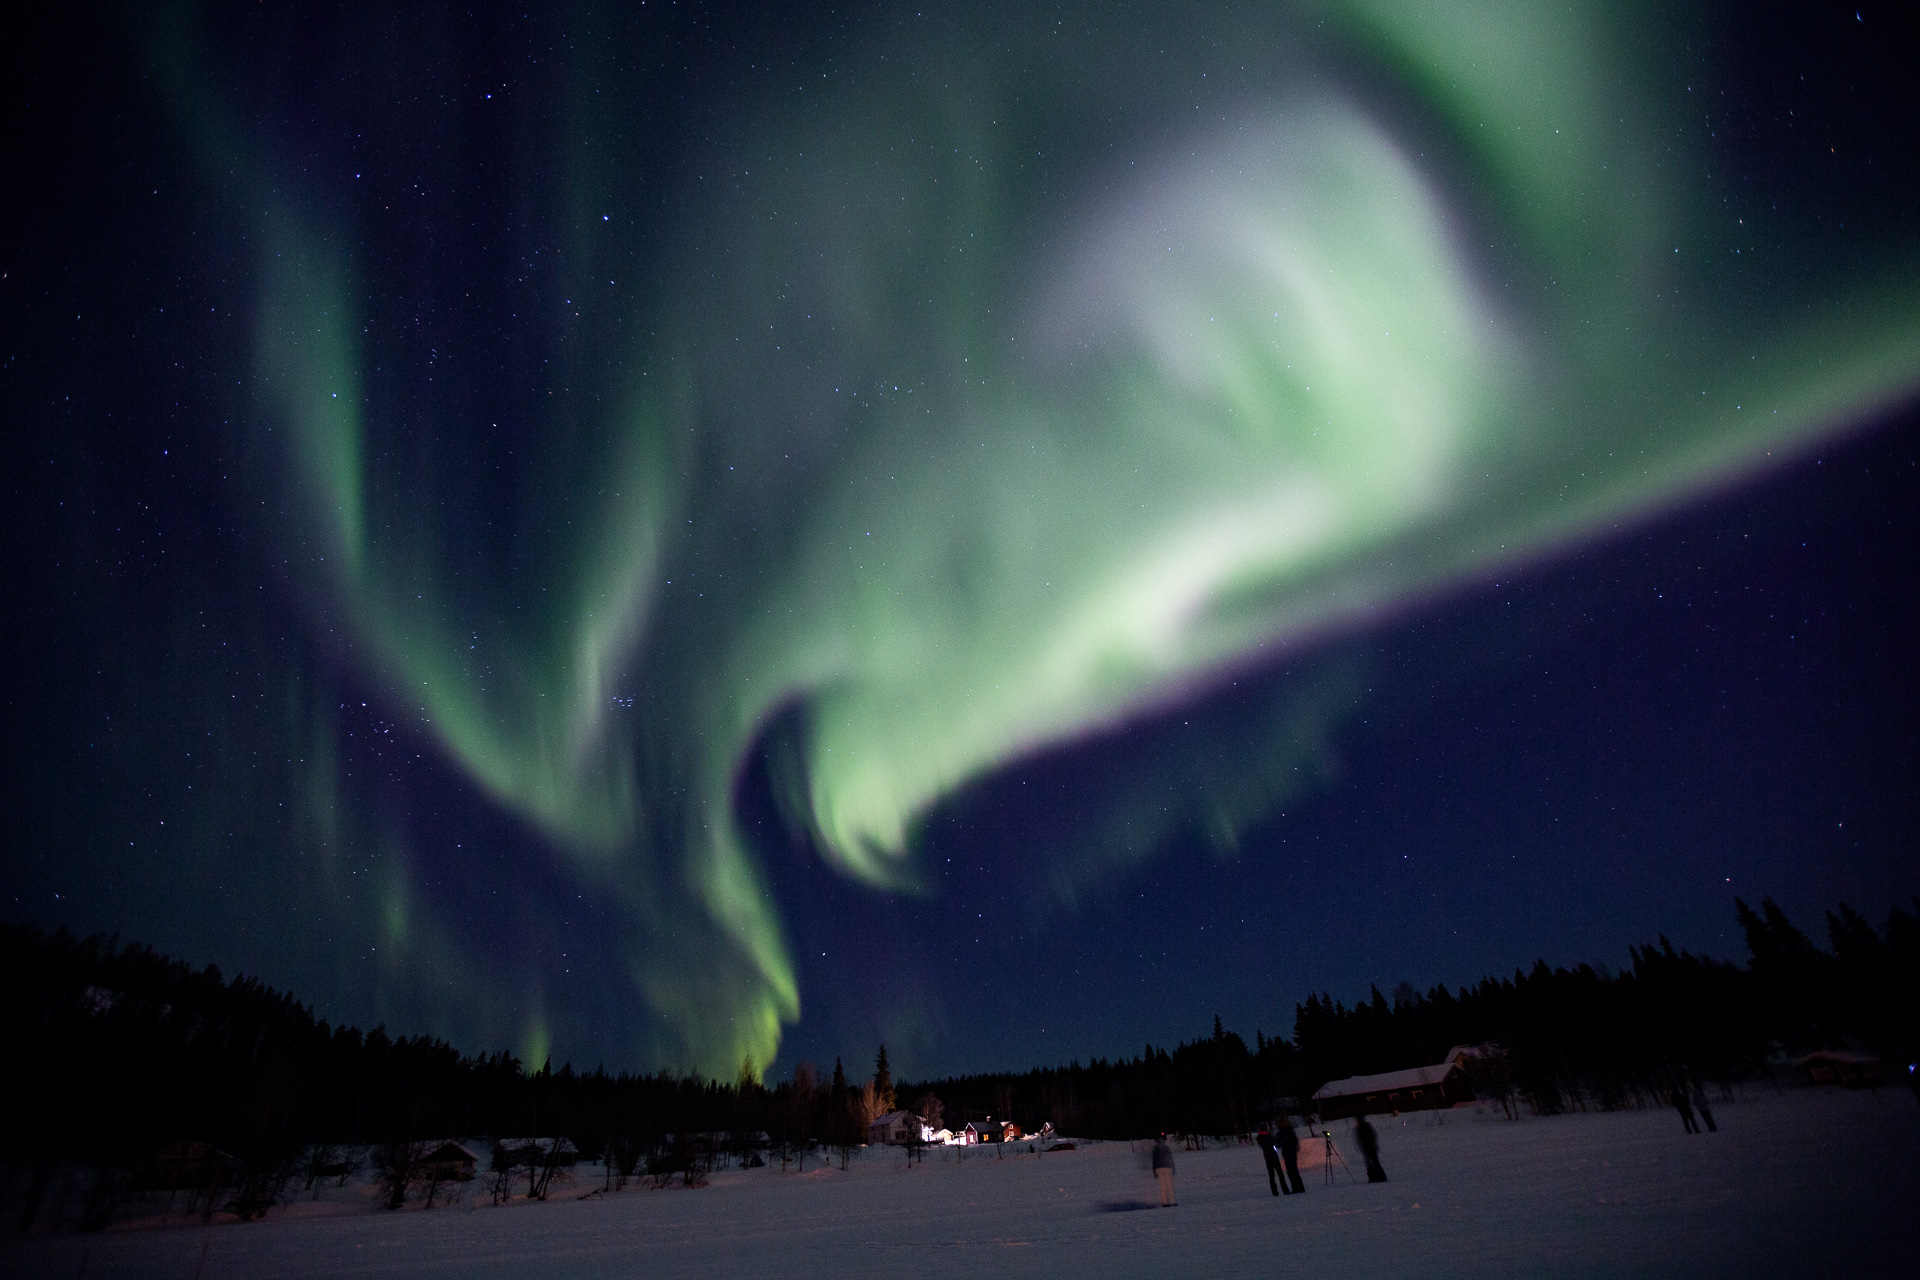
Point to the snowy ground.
(1804, 1183)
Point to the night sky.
(665, 534)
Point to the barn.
(1414, 1089)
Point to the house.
(1464, 1055)
(1486, 1066)
(1414, 1089)
(897, 1128)
(447, 1160)
(510, 1153)
(1833, 1066)
(978, 1131)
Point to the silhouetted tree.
(882, 1084)
(1791, 973)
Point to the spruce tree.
(883, 1082)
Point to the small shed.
(1837, 1067)
(449, 1160)
(1414, 1089)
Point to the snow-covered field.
(1802, 1183)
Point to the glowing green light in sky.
(965, 451)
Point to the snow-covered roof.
(448, 1150)
(439, 1152)
(1385, 1082)
(896, 1117)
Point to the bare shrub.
(397, 1168)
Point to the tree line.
(125, 1051)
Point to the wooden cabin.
(978, 1131)
(1414, 1089)
(448, 1160)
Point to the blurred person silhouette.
(1163, 1170)
(1276, 1180)
(1684, 1107)
(1289, 1143)
(1369, 1148)
(1700, 1105)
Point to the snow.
(1802, 1182)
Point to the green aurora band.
(999, 398)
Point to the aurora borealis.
(624, 446)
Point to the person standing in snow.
(1369, 1149)
(1684, 1107)
(1700, 1105)
(1290, 1153)
(1276, 1181)
(1163, 1170)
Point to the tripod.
(1333, 1153)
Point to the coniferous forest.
(123, 1052)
